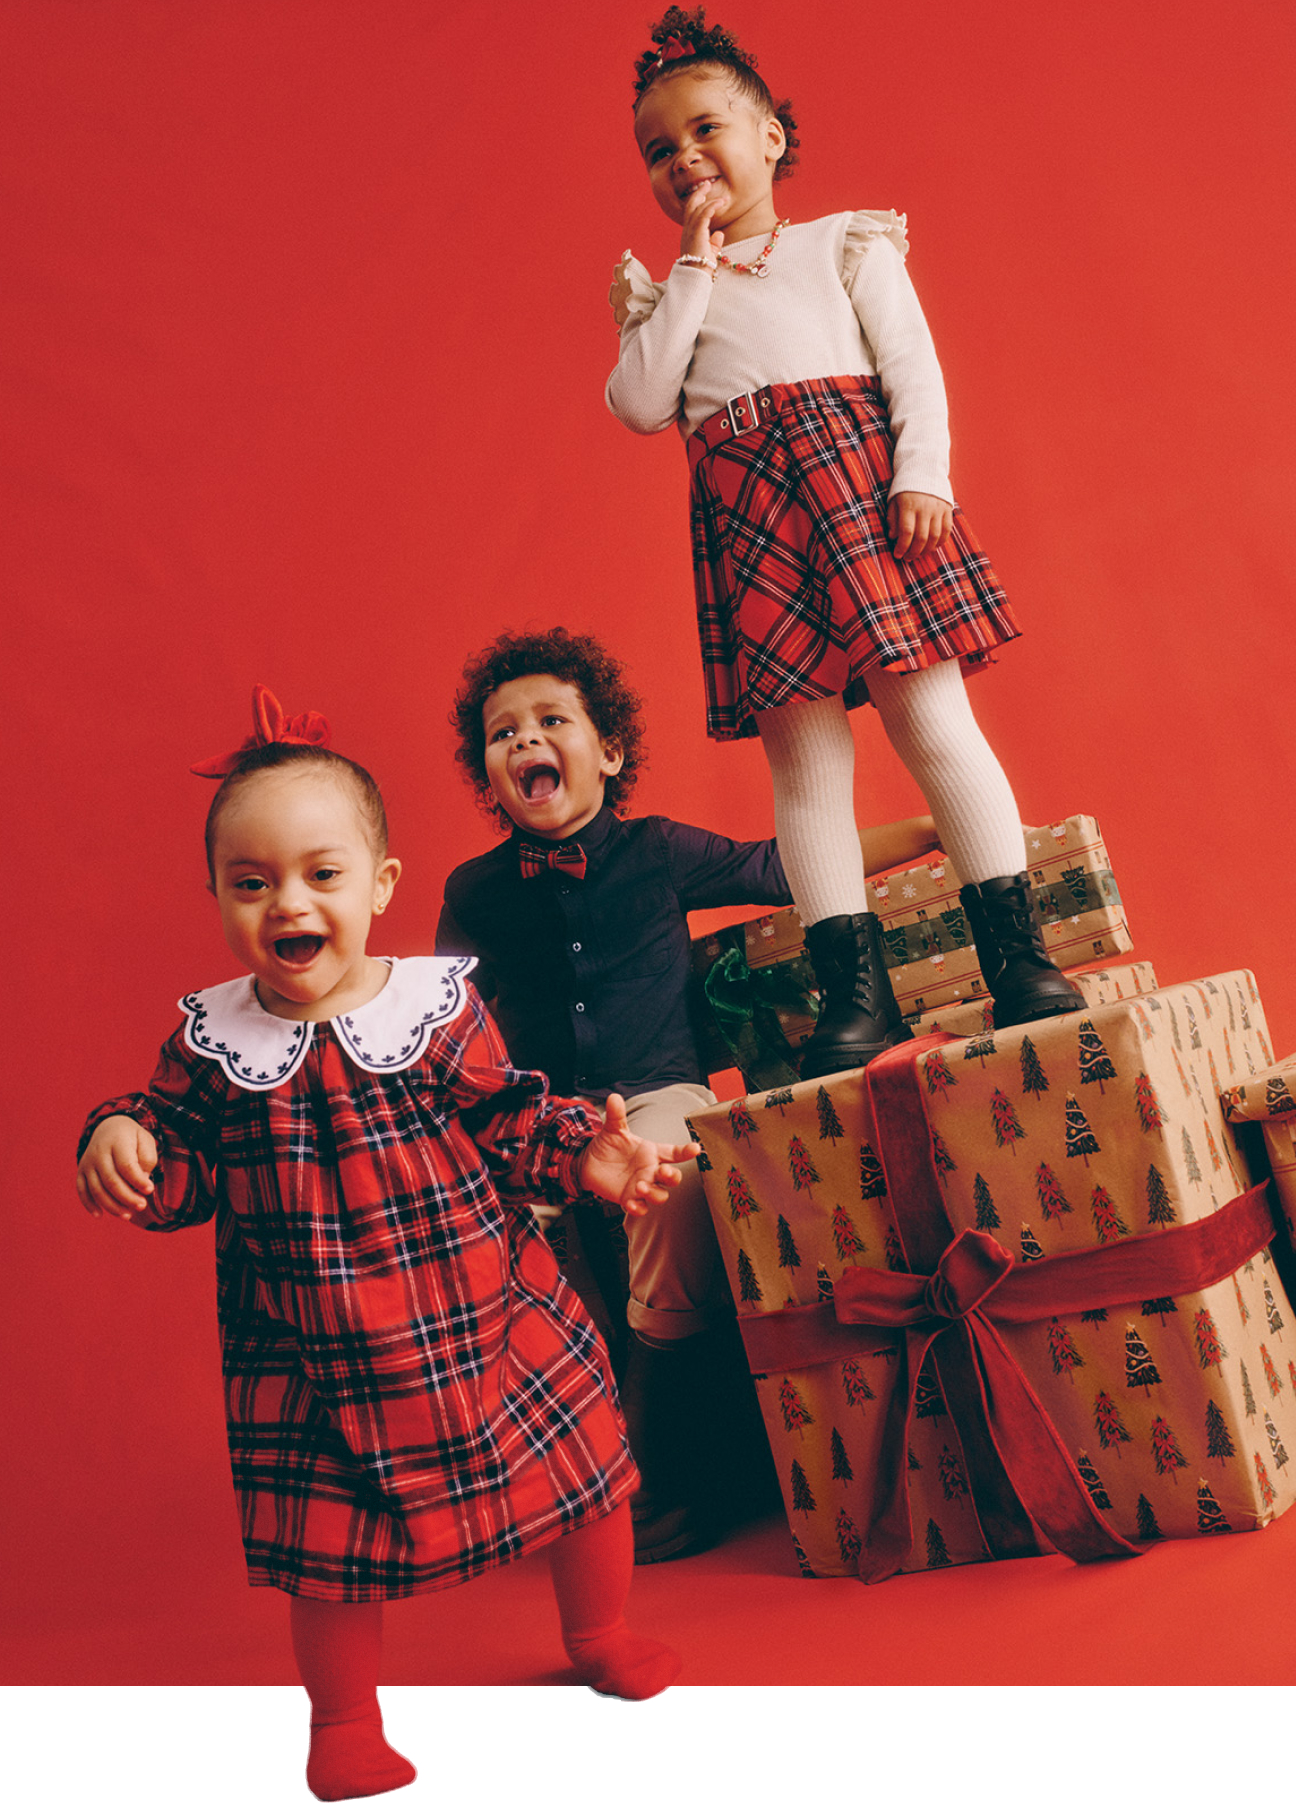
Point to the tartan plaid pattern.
(569, 857)
(798, 593)
(413, 1393)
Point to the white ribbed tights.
(928, 720)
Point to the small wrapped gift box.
(928, 942)
(754, 988)
(1269, 1098)
(1013, 1291)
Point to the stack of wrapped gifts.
(755, 986)
(1009, 1291)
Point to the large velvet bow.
(270, 726)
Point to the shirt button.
(576, 946)
(580, 1006)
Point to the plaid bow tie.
(569, 857)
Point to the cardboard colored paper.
(1177, 1412)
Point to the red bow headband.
(674, 47)
(270, 727)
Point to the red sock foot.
(616, 1661)
(351, 1759)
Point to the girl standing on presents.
(831, 566)
(413, 1394)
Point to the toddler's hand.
(918, 523)
(113, 1174)
(696, 237)
(627, 1170)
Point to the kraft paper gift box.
(928, 943)
(754, 987)
(1098, 984)
(1269, 1098)
(1115, 1290)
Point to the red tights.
(337, 1649)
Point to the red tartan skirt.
(798, 593)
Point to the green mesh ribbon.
(744, 1007)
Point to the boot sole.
(1041, 1012)
(844, 1059)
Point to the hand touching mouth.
(686, 194)
(298, 949)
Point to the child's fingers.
(614, 1115)
(126, 1178)
(132, 1169)
(900, 520)
(105, 1194)
(83, 1192)
(654, 1188)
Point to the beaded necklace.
(757, 265)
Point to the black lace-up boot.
(1018, 973)
(859, 1017)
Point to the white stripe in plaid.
(413, 1393)
(798, 592)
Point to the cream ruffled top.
(836, 300)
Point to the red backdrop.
(303, 343)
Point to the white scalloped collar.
(259, 1051)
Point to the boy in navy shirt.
(580, 922)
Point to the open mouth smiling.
(298, 949)
(538, 782)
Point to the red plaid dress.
(798, 592)
(413, 1393)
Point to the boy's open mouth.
(298, 949)
(538, 782)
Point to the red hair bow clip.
(673, 48)
(270, 727)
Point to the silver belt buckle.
(740, 405)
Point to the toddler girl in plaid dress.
(831, 565)
(413, 1394)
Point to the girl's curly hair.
(574, 658)
(699, 45)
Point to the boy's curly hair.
(694, 44)
(574, 658)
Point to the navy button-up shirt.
(588, 979)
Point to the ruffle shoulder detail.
(260, 1052)
(633, 294)
(865, 228)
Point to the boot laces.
(1014, 924)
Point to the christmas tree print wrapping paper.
(1076, 1133)
(1269, 1098)
(754, 986)
(1098, 984)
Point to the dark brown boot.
(1018, 973)
(858, 1014)
(662, 1395)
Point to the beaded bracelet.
(701, 263)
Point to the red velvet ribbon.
(964, 1286)
(270, 727)
(672, 49)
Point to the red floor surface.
(1210, 1612)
